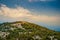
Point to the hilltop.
(22, 30)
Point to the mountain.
(22, 30)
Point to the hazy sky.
(44, 12)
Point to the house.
(36, 37)
(3, 34)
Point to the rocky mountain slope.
(22, 30)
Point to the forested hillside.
(22, 30)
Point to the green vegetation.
(22, 30)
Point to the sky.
(41, 12)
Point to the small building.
(36, 37)
(3, 34)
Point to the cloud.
(54, 20)
(20, 13)
(40, 0)
(14, 12)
